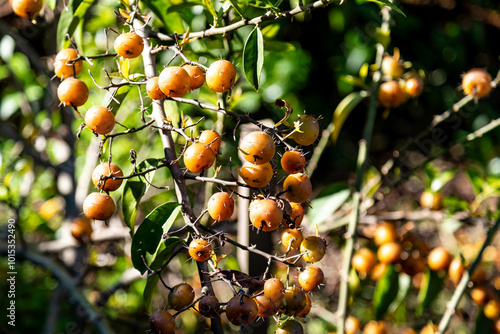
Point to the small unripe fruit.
(256, 176)
(311, 278)
(63, 65)
(392, 67)
(129, 45)
(107, 169)
(375, 327)
(221, 76)
(27, 8)
(296, 216)
(414, 87)
(220, 206)
(274, 290)
(492, 309)
(293, 302)
(257, 147)
(456, 270)
(291, 238)
(389, 252)
(265, 307)
(153, 89)
(98, 206)
(476, 82)
(241, 310)
(429, 329)
(73, 92)
(200, 249)
(290, 327)
(385, 233)
(265, 214)
(430, 200)
(297, 188)
(81, 230)
(162, 322)
(198, 158)
(439, 259)
(390, 94)
(197, 76)
(181, 296)
(305, 311)
(174, 81)
(314, 248)
(352, 325)
(309, 130)
(363, 261)
(100, 120)
(480, 294)
(293, 162)
(211, 139)
(208, 306)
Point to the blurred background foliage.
(308, 62)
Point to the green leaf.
(253, 57)
(169, 247)
(237, 8)
(125, 67)
(390, 4)
(270, 31)
(119, 95)
(441, 179)
(70, 19)
(476, 180)
(385, 292)
(327, 202)
(209, 5)
(51, 4)
(343, 110)
(170, 20)
(133, 190)
(404, 285)
(148, 238)
(181, 6)
(278, 46)
(430, 287)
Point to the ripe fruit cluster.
(397, 86)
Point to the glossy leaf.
(385, 292)
(70, 19)
(431, 286)
(119, 94)
(148, 238)
(133, 191)
(253, 57)
(170, 20)
(209, 5)
(343, 110)
(327, 202)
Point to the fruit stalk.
(462, 285)
(364, 144)
(158, 114)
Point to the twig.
(462, 285)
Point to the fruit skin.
(174, 81)
(352, 325)
(297, 215)
(293, 162)
(98, 206)
(196, 75)
(27, 8)
(100, 120)
(63, 68)
(105, 169)
(221, 76)
(265, 214)
(385, 233)
(212, 139)
(265, 306)
(220, 206)
(200, 249)
(309, 128)
(290, 327)
(311, 278)
(81, 230)
(241, 310)
(129, 45)
(392, 67)
(293, 302)
(363, 261)
(73, 92)
(375, 327)
(297, 187)
(305, 311)
(198, 157)
(153, 89)
(431, 201)
(389, 252)
(390, 94)
(291, 238)
(208, 306)
(257, 147)
(456, 270)
(429, 329)
(414, 86)
(476, 82)
(162, 322)
(439, 259)
(316, 248)
(492, 309)
(256, 176)
(181, 296)
(480, 294)
(274, 290)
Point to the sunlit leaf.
(253, 57)
(390, 4)
(431, 286)
(327, 202)
(70, 19)
(441, 179)
(385, 292)
(343, 110)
